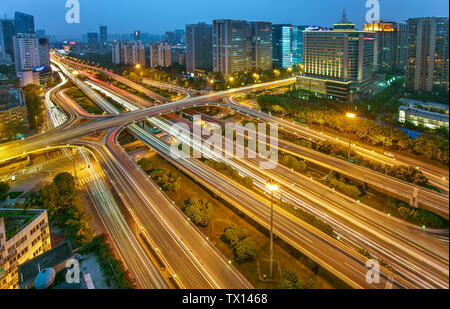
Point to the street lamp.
(350, 116)
(272, 186)
(138, 66)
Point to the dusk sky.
(159, 16)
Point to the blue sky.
(156, 16)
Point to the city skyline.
(126, 18)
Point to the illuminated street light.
(231, 78)
(272, 186)
(350, 116)
(138, 66)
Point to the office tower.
(297, 43)
(7, 31)
(402, 47)
(230, 46)
(92, 39)
(160, 54)
(386, 44)
(103, 35)
(170, 37)
(199, 47)
(137, 35)
(282, 45)
(180, 37)
(427, 55)
(260, 46)
(129, 53)
(24, 23)
(31, 52)
(339, 63)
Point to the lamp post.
(272, 187)
(350, 116)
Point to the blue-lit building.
(282, 45)
(24, 23)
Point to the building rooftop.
(16, 219)
(10, 97)
(49, 259)
(424, 114)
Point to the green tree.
(233, 234)
(4, 188)
(290, 280)
(200, 212)
(245, 250)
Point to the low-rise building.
(55, 258)
(13, 110)
(420, 117)
(24, 234)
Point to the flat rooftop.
(49, 259)
(16, 219)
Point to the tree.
(290, 280)
(146, 164)
(233, 234)
(63, 203)
(4, 188)
(200, 212)
(245, 250)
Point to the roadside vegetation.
(62, 200)
(85, 102)
(230, 172)
(35, 106)
(306, 108)
(112, 268)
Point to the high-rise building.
(7, 31)
(199, 47)
(180, 37)
(31, 54)
(128, 53)
(230, 46)
(386, 42)
(92, 39)
(24, 23)
(428, 55)
(239, 46)
(260, 46)
(402, 47)
(339, 62)
(170, 37)
(103, 35)
(297, 43)
(282, 45)
(160, 54)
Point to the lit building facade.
(24, 234)
(342, 54)
(160, 54)
(239, 46)
(386, 43)
(128, 53)
(31, 54)
(282, 36)
(13, 110)
(7, 32)
(428, 54)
